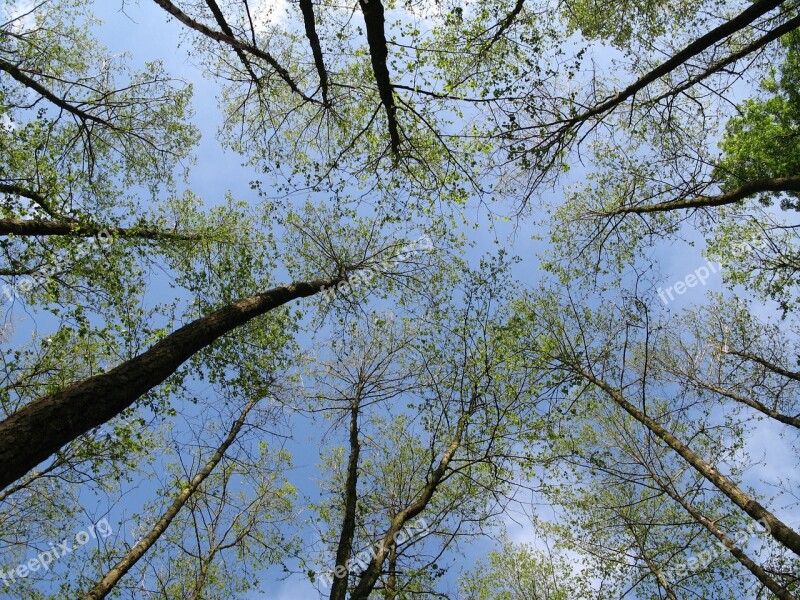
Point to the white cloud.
(21, 12)
(267, 13)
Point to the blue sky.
(143, 31)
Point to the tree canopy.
(497, 299)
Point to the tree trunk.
(110, 579)
(784, 534)
(760, 574)
(39, 429)
(373, 571)
(28, 228)
(345, 547)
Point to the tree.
(632, 451)
(112, 577)
(431, 427)
(518, 571)
(368, 129)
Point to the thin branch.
(440, 96)
(752, 403)
(112, 577)
(764, 363)
(662, 581)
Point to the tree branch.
(307, 8)
(226, 29)
(506, 23)
(740, 21)
(379, 53)
(339, 587)
(112, 577)
(752, 403)
(778, 184)
(764, 363)
(779, 591)
(31, 83)
(757, 44)
(234, 43)
(28, 228)
(37, 198)
(40, 428)
(370, 575)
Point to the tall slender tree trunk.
(784, 534)
(345, 547)
(373, 571)
(112, 577)
(760, 574)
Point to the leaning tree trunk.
(779, 530)
(39, 429)
(102, 588)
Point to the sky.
(142, 30)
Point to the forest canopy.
(486, 300)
